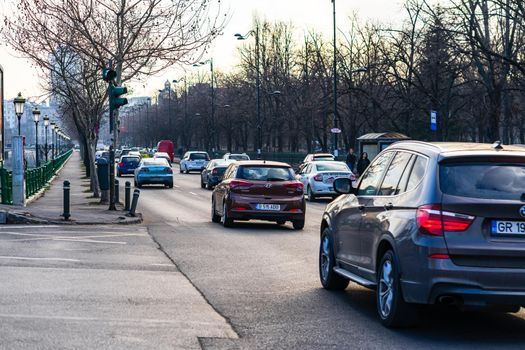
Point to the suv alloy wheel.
(391, 307)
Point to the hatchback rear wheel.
(391, 306)
(226, 221)
(214, 216)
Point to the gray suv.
(430, 223)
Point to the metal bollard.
(117, 196)
(134, 203)
(67, 190)
(127, 203)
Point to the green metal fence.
(36, 178)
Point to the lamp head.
(19, 103)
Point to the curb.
(15, 218)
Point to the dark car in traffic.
(213, 173)
(430, 223)
(127, 165)
(259, 190)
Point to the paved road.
(263, 279)
(103, 287)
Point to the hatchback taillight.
(121, 164)
(240, 183)
(214, 172)
(318, 177)
(432, 220)
(297, 186)
(168, 170)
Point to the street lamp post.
(335, 111)
(19, 103)
(53, 125)
(212, 83)
(46, 125)
(257, 82)
(36, 118)
(185, 105)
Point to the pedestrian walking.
(363, 163)
(351, 159)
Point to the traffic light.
(115, 101)
(108, 75)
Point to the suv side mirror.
(343, 186)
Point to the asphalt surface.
(104, 287)
(263, 279)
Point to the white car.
(194, 161)
(318, 178)
(163, 155)
(236, 156)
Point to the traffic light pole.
(114, 131)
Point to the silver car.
(318, 178)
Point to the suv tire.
(329, 279)
(298, 224)
(391, 306)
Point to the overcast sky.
(304, 14)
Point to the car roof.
(196, 152)
(326, 162)
(458, 149)
(161, 154)
(262, 163)
(154, 161)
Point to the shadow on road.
(445, 325)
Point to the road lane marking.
(170, 265)
(176, 186)
(87, 241)
(9, 227)
(195, 194)
(28, 258)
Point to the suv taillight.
(121, 164)
(432, 220)
(215, 172)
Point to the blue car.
(127, 165)
(154, 171)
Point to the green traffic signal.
(115, 101)
(108, 74)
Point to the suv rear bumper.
(265, 215)
(471, 286)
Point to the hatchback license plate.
(273, 207)
(508, 227)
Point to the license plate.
(274, 207)
(508, 227)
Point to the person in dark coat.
(351, 159)
(363, 163)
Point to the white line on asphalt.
(176, 186)
(193, 193)
(28, 258)
(9, 227)
(171, 265)
(86, 241)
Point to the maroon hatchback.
(259, 190)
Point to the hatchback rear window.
(487, 180)
(261, 173)
(199, 156)
(220, 170)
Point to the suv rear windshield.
(487, 179)
(199, 156)
(262, 173)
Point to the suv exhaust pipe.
(449, 300)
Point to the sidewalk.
(84, 210)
